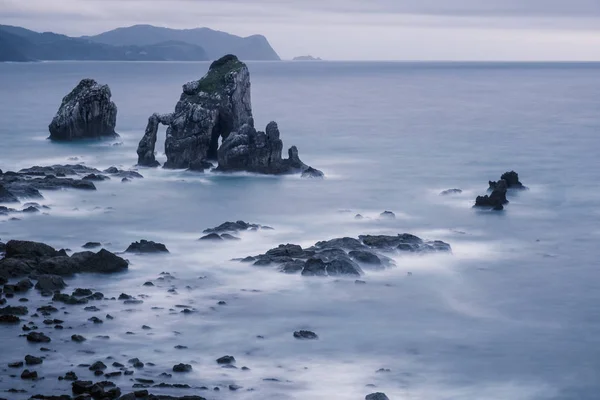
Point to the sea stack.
(213, 121)
(85, 113)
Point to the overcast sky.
(349, 29)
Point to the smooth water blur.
(512, 314)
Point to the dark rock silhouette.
(213, 121)
(85, 113)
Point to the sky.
(487, 30)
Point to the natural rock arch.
(218, 108)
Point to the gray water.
(513, 313)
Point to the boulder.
(27, 249)
(103, 262)
(50, 283)
(305, 335)
(87, 112)
(147, 145)
(146, 246)
(208, 111)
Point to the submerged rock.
(450, 192)
(305, 335)
(86, 112)
(146, 246)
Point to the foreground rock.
(147, 247)
(30, 258)
(345, 256)
(218, 108)
(85, 113)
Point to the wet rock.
(7, 196)
(311, 172)
(305, 335)
(18, 364)
(293, 267)
(147, 145)
(50, 283)
(47, 310)
(102, 262)
(136, 363)
(37, 337)
(148, 284)
(28, 250)
(512, 181)
(82, 292)
(182, 368)
(10, 310)
(497, 199)
(78, 338)
(86, 112)
(450, 192)
(95, 177)
(97, 366)
(69, 376)
(376, 396)
(32, 360)
(96, 320)
(233, 387)
(387, 215)
(226, 360)
(30, 210)
(29, 375)
(81, 387)
(92, 245)
(70, 300)
(145, 246)
(212, 237)
(233, 227)
(9, 319)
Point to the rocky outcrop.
(147, 145)
(208, 111)
(497, 199)
(511, 179)
(254, 151)
(217, 109)
(38, 259)
(85, 113)
(345, 256)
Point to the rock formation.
(214, 109)
(147, 145)
(497, 199)
(87, 112)
(345, 256)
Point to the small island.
(307, 58)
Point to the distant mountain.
(216, 43)
(12, 47)
(307, 58)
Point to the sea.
(513, 313)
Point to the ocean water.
(512, 313)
